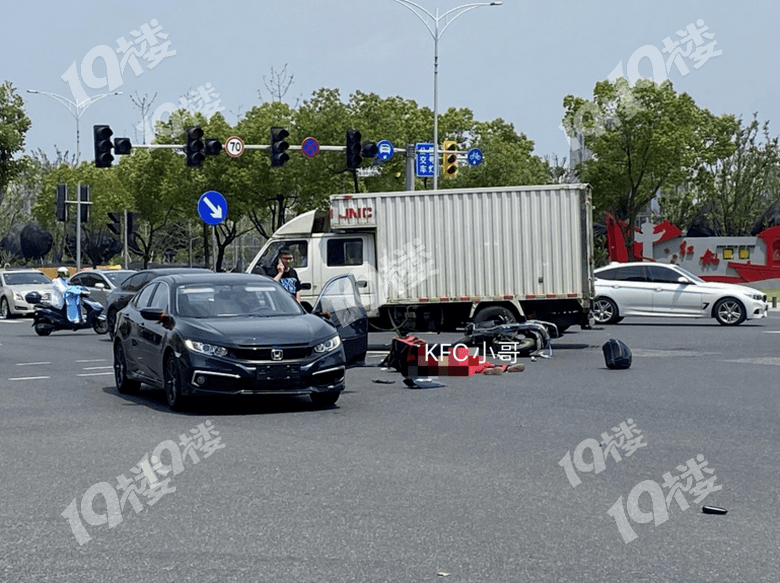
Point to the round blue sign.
(475, 157)
(310, 147)
(385, 150)
(212, 207)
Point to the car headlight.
(208, 349)
(758, 296)
(18, 296)
(328, 345)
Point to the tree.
(732, 193)
(14, 124)
(644, 139)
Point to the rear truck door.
(340, 298)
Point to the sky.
(516, 61)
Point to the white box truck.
(450, 256)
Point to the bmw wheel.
(124, 385)
(176, 401)
(605, 311)
(730, 312)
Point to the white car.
(15, 284)
(661, 289)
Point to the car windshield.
(117, 277)
(687, 273)
(220, 300)
(31, 278)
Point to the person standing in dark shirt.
(285, 274)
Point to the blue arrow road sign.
(425, 163)
(475, 157)
(212, 207)
(385, 150)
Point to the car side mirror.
(100, 285)
(306, 285)
(154, 314)
(362, 283)
(683, 280)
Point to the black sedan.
(121, 295)
(238, 334)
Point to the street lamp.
(76, 109)
(448, 17)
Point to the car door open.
(341, 300)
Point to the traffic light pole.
(78, 202)
(124, 239)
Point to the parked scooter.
(88, 314)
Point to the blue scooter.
(78, 313)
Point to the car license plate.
(278, 372)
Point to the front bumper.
(209, 375)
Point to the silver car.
(15, 284)
(661, 289)
(100, 282)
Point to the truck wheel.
(495, 313)
(605, 311)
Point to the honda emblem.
(276, 354)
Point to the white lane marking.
(94, 374)
(96, 367)
(771, 331)
(28, 378)
(775, 360)
(94, 360)
(30, 363)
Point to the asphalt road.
(396, 484)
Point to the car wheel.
(325, 399)
(42, 329)
(730, 312)
(124, 385)
(495, 313)
(605, 311)
(5, 312)
(111, 322)
(176, 401)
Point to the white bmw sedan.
(660, 289)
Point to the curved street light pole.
(436, 32)
(76, 109)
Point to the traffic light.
(354, 159)
(130, 227)
(278, 146)
(122, 146)
(450, 163)
(213, 147)
(194, 148)
(103, 145)
(84, 195)
(62, 196)
(369, 150)
(115, 225)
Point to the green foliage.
(14, 124)
(645, 139)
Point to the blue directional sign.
(425, 159)
(212, 207)
(385, 150)
(475, 157)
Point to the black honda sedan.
(238, 334)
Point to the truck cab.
(319, 255)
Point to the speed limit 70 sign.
(234, 146)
